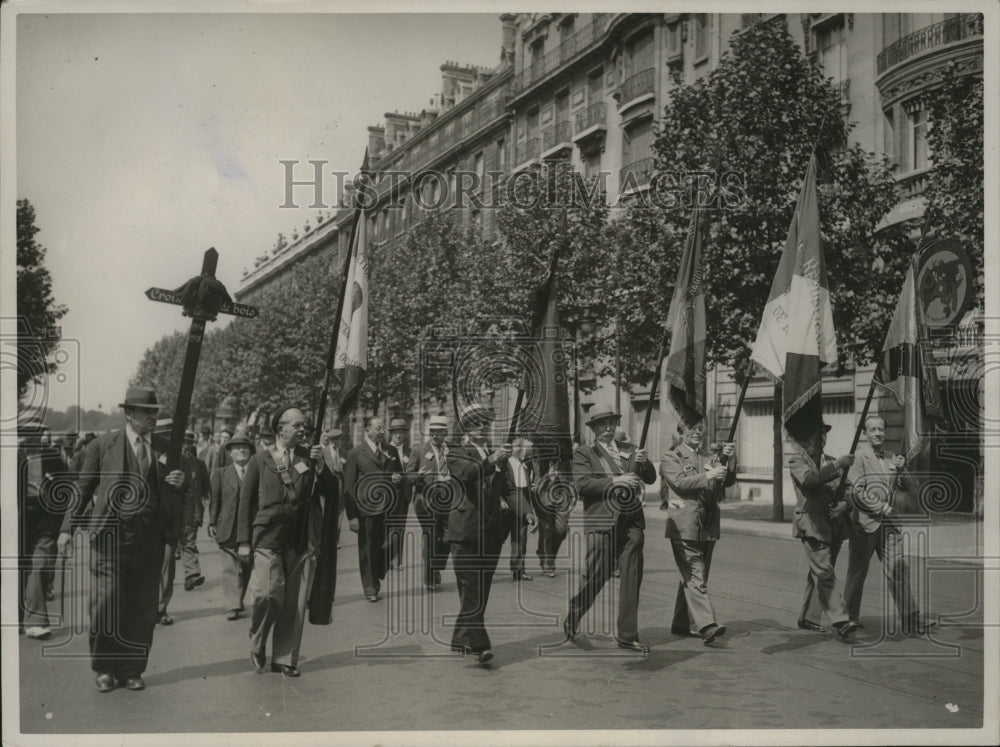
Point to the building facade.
(587, 88)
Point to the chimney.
(376, 142)
(509, 38)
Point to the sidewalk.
(944, 537)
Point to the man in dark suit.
(614, 524)
(693, 527)
(223, 509)
(284, 527)
(373, 480)
(518, 515)
(481, 481)
(333, 455)
(878, 478)
(396, 519)
(429, 478)
(820, 523)
(134, 512)
(193, 512)
(43, 480)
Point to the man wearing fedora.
(693, 526)
(373, 480)
(614, 524)
(428, 476)
(223, 507)
(482, 482)
(134, 505)
(280, 527)
(396, 519)
(821, 522)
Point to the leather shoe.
(810, 625)
(549, 573)
(257, 661)
(846, 629)
(569, 629)
(485, 656)
(710, 632)
(372, 597)
(858, 623)
(687, 633)
(106, 683)
(637, 646)
(522, 576)
(191, 583)
(165, 619)
(286, 669)
(135, 683)
(233, 615)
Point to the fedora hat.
(240, 439)
(398, 424)
(475, 415)
(334, 433)
(163, 425)
(601, 412)
(621, 436)
(140, 396)
(437, 421)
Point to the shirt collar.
(132, 436)
(372, 445)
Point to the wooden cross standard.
(203, 299)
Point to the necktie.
(879, 453)
(142, 454)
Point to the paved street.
(371, 670)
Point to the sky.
(143, 139)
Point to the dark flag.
(684, 370)
(905, 373)
(796, 336)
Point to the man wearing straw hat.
(614, 523)
(426, 472)
(134, 507)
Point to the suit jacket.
(872, 487)
(39, 513)
(420, 457)
(368, 486)
(197, 487)
(478, 486)
(108, 465)
(815, 492)
(274, 516)
(404, 488)
(594, 471)
(224, 504)
(692, 513)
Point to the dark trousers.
(693, 609)
(167, 574)
(516, 529)
(235, 577)
(125, 590)
(371, 552)
(189, 552)
(887, 543)
(434, 550)
(552, 529)
(395, 527)
(621, 544)
(474, 571)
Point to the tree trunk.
(778, 503)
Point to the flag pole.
(861, 425)
(723, 459)
(652, 389)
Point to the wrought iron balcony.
(526, 151)
(962, 27)
(636, 86)
(559, 133)
(641, 170)
(570, 48)
(596, 113)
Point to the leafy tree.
(36, 308)
(954, 190)
(753, 123)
